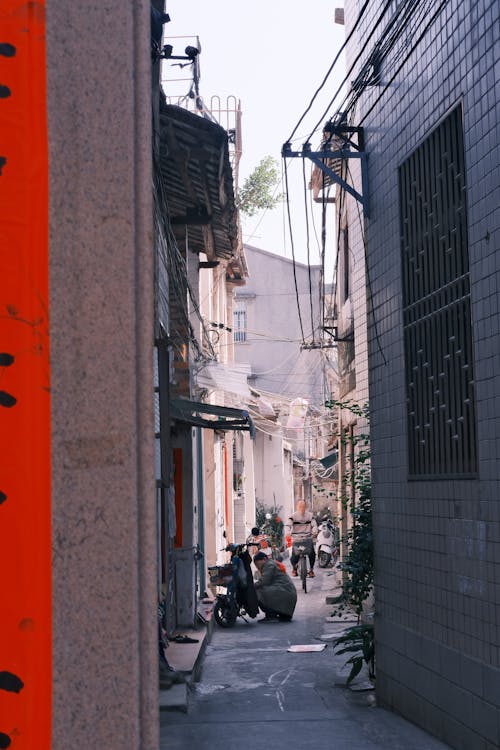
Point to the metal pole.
(201, 511)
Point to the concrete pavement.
(253, 691)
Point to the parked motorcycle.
(240, 598)
(326, 544)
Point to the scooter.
(240, 598)
(325, 543)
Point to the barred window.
(436, 306)
(240, 325)
(346, 291)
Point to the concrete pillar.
(105, 652)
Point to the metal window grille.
(345, 248)
(239, 325)
(436, 306)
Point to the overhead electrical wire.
(326, 474)
(368, 278)
(324, 200)
(370, 70)
(312, 217)
(308, 247)
(327, 75)
(340, 203)
(287, 198)
(379, 20)
(322, 260)
(324, 420)
(178, 270)
(283, 212)
(328, 362)
(384, 45)
(265, 337)
(288, 438)
(272, 336)
(408, 8)
(289, 381)
(405, 59)
(353, 65)
(295, 353)
(308, 369)
(262, 340)
(320, 430)
(420, 13)
(166, 254)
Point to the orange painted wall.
(25, 525)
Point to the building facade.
(268, 332)
(427, 101)
(277, 327)
(199, 262)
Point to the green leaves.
(257, 193)
(357, 409)
(359, 641)
(357, 564)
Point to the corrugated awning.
(330, 460)
(198, 182)
(210, 416)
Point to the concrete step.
(330, 599)
(174, 699)
(187, 659)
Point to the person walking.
(302, 527)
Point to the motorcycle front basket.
(221, 575)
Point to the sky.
(271, 55)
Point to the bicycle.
(302, 550)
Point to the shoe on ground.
(165, 669)
(269, 618)
(311, 574)
(294, 572)
(184, 639)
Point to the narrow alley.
(253, 692)
(249, 306)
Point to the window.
(436, 306)
(238, 462)
(240, 324)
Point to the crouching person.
(276, 593)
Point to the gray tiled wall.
(437, 543)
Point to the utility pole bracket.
(349, 150)
(333, 332)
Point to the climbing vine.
(357, 564)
